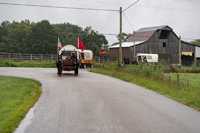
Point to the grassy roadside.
(17, 96)
(187, 95)
(43, 64)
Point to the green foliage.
(92, 40)
(196, 42)
(125, 36)
(41, 37)
(17, 96)
(191, 69)
(68, 33)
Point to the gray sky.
(181, 15)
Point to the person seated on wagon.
(72, 57)
(82, 55)
(64, 56)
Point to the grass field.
(17, 96)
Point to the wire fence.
(53, 57)
(27, 57)
(41, 57)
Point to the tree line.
(42, 37)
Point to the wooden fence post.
(51, 58)
(20, 56)
(187, 82)
(41, 57)
(31, 58)
(9, 56)
(169, 78)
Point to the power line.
(130, 6)
(102, 2)
(170, 8)
(128, 21)
(192, 0)
(189, 38)
(46, 6)
(15, 4)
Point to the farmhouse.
(159, 40)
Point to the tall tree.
(42, 38)
(4, 36)
(17, 33)
(68, 33)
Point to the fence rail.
(52, 57)
(39, 57)
(28, 57)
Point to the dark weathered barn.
(159, 40)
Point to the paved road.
(94, 103)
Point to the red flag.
(80, 44)
(59, 45)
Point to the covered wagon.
(68, 60)
(85, 58)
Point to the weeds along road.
(91, 103)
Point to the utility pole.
(120, 37)
(134, 44)
(179, 50)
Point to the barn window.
(164, 34)
(164, 44)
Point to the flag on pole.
(59, 45)
(80, 44)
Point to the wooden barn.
(159, 40)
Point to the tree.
(3, 36)
(93, 41)
(5, 24)
(41, 39)
(68, 33)
(196, 42)
(125, 36)
(17, 34)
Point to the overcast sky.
(181, 15)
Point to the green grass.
(43, 64)
(151, 78)
(17, 96)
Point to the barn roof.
(144, 34)
(126, 44)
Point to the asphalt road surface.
(95, 103)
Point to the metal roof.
(144, 34)
(126, 44)
(151, 28)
